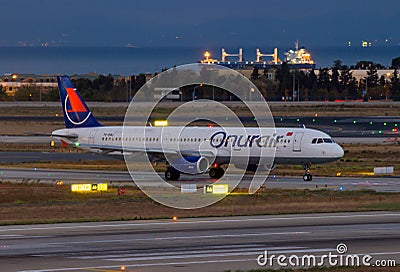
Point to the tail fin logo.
(76, 112)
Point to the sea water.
(128, 61)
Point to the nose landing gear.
(307, 175)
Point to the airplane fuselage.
(287, 145)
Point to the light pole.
(13, 79)
(251, 91)
(294, 83)
(294, 87)
(128, 89)
(387, 88)
(298, 90)
(194, 91)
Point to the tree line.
(335, 83)
(103, 88)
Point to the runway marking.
(19, 236)
(176, 238)
(255, 252)
(91, 268)
(241, 220)
(99, 269)
(168, 253)
(137, 265)
(215, 247)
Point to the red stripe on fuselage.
(75, 101)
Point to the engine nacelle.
(191, 165)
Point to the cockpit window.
(322, 140)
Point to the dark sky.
(202, 23)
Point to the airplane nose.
(339, 151)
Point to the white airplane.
(240, 146)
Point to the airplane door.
(91, 137)
(297, 142)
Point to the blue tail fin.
(76, 112)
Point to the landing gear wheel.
(172, 174)
(216, 172)
(307, 177)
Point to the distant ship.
(296, 59)
(298, 56)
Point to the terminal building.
(11, 83)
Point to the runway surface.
(380, 184)
(206, 244)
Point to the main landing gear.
(307, 175)
(216, 172)
(172, 174)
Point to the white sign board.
(383, 170)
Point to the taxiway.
(206, 244)
(35, 175)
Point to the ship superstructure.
(296, 59)
(298, 56)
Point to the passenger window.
(320, 141)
